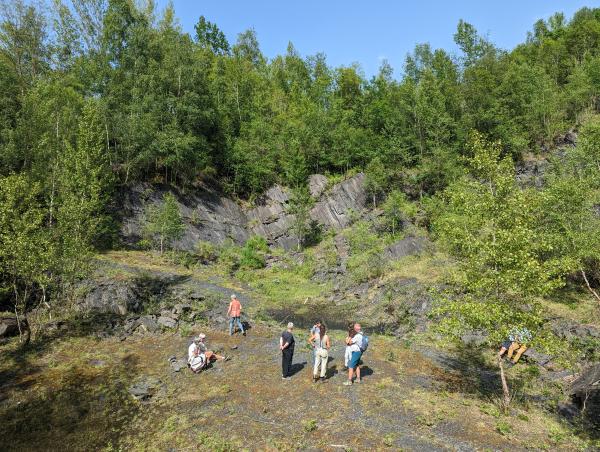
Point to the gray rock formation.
(408, 246)
(585, 393)
(207, 214)
(317, 183)
(346, 199)
(177, 364)
(147, 389)
(399, 307)
(114, 296)
(270, 219)
(333, 209)
(10, 327)
(213, 217)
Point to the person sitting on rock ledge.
(517, 342)
(199, 356)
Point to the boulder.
(585, 394)
(182, 308)
(177, 364)
(317, 183)
(277, 194)
(167, 322)
(572, 330)
(147, 389)
(10, 327)
(143, 324)
(541, 359)
(408, 246)
(114, 296)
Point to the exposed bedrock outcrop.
(211, 216)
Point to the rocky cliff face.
(213, 217)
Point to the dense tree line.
(176, 107)
(100, 93)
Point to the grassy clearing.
(78, 387)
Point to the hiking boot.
(323, 380)
(244, 333)
(315, 378)
(358, 380)
(347, 383)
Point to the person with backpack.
(358, 345)
(320, 343)
(199, 356)
(286, 345)
(234, 312)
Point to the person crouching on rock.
(517, 342)
(199, 356)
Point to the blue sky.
(366, 32)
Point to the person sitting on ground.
(348, 350)
(355, 343)
(234, 312)
(320, 342)
(286, 345)
(199, 356)
(517, 342)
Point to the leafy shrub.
(366, 253)
(183, 258)
(310, 425)
(206, 251)
(396, 210)
(504, 428)
(253, 253)
(229, 256)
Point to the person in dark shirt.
(286, 345)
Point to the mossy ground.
(69, 392)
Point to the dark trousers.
(286, 362)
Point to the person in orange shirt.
(234, 312)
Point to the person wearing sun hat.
(199, 356)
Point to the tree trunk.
(590, 288)
(505, 391)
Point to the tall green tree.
(164, 223)
(84, 190)
(26, 248)
(489, 225)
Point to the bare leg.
(512, 348)
(502, 352)
(357, 373)
(519, 353)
